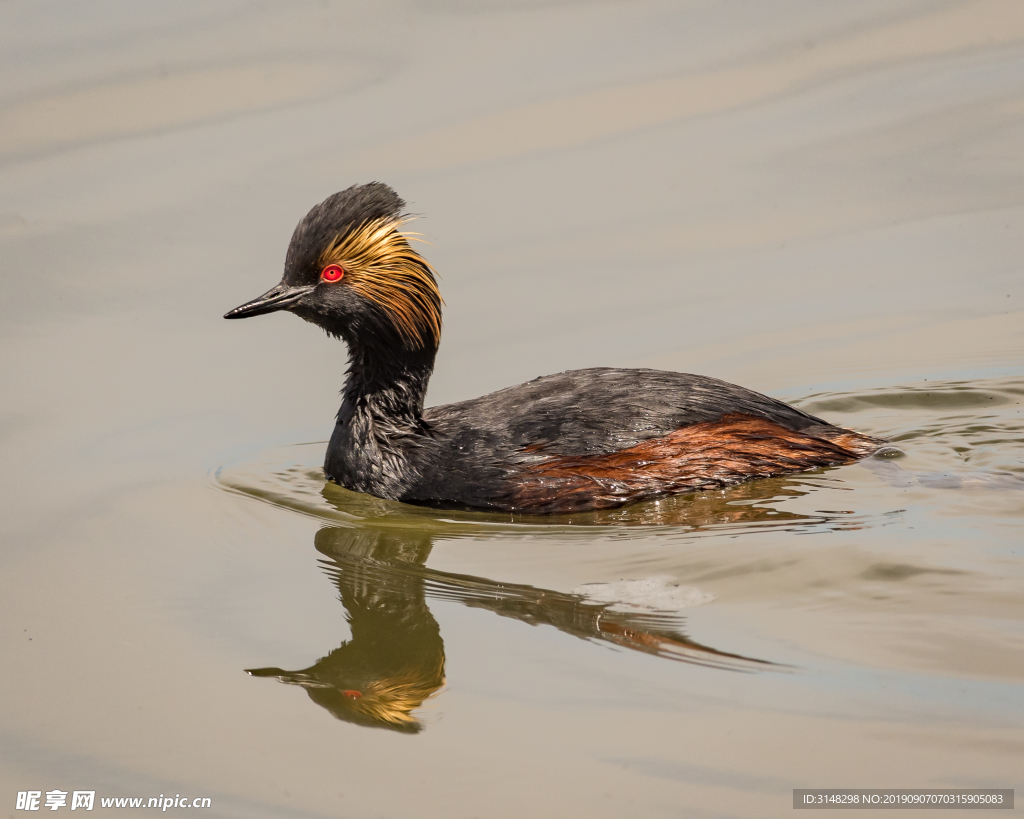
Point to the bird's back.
(602, 437)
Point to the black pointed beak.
(280, 297)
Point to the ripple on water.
(959, 427)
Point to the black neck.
(380, 429)
(388, 384)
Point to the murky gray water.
(820, 201)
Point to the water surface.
(823, 202)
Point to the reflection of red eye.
(352, 695)
(332, 273)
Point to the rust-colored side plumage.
(382, 266)
(699, 456)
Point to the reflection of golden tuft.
(392, 700)
(381, 266)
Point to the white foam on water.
(658, 593)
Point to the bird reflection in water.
(395, 657)
(394, 660)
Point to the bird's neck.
(386, 388)
(380, 433)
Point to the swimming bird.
(579, 440)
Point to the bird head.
(352, 272)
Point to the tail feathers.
(856, 443)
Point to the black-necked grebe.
(579, 440)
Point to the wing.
(600, 411)
(599, 438)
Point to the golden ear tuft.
(381, 266)
(392, 700)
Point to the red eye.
(332, 273)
